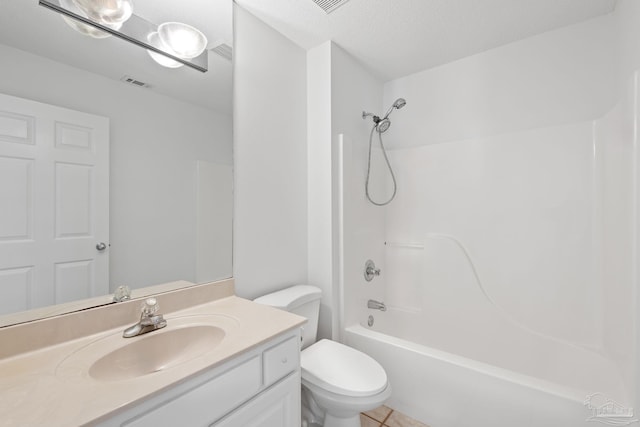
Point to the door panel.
(16, 128)
(16, 204)
(54, 204)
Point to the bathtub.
(444, 389)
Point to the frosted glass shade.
(106, 11)
(82, 28)
(187, 42)
(154, 40)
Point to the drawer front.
(280, 360)
(208, 402)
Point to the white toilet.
(338, 382)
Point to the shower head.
(398, 104)
(383, 125)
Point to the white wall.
(627, 23)
(270, 159)
(320, 204)
(562, 76)
(155, 142)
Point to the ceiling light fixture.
(171, 44)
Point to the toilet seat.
(342, 370)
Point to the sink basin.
(156, 351)
(114, 358)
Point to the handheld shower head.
(398, 104)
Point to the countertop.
(41, 387)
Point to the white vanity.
(228, 362)
(260, 388)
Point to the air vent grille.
(135, 82)
(329, 5)
(224, 50)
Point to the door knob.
(101, 246)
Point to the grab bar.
(376, 305)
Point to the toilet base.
(314, 416)
(326, 409)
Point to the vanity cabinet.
(259, 388)
(277, 407)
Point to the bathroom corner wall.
(353, 90)
(339, 89)
(322, 266)
(627, 23)
(270, 159)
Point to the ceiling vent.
(223, 50)
(329, 5)
(135, 82)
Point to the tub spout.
(376, 305)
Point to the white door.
(54, 204)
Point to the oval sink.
(156, 351)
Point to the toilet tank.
(303, 300)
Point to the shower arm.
(376, 119)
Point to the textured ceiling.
(27, 26)
(394, 38)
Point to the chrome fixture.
(149, 320)
(376, 305)
(122, 293)
(370, 320)
(370, 270)
(382, 125)
(171, 44)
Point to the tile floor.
(387, 417)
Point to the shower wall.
(524, 155)
(516, 204)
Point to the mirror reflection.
(114, 170)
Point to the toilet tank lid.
(292, 297)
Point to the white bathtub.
(449, 390)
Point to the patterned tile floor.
(387, 417)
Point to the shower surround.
(508, 256)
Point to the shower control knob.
(370, 270)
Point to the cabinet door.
(278, 406)
(207, 402)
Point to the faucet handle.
(150, 307)
(123, 293)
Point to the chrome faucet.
(149, 320)
(370, 270)
(376, 305)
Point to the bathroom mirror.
(169, 194)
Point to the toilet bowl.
(338, 382)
